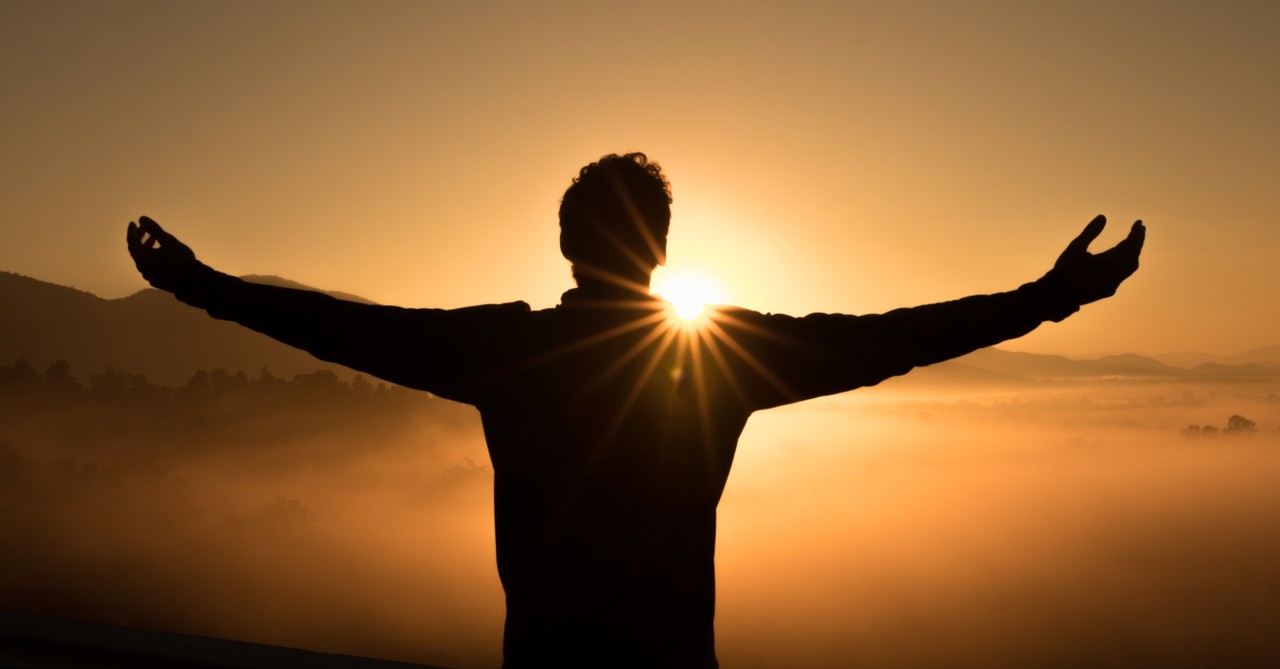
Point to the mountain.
(1266, 355)
(148, 333)
(1248, 369)
(1056, 367)
(992, 367)
(996, 366)
(31, 641)
(272, 280)
(1042, 367)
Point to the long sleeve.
(778, 359)
(442, 351)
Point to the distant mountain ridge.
(1264, 354)
(997, 367)
(153, 334)
(148, 332)
(272, 280)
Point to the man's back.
(611, 441)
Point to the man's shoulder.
(742, 313)
(730, 315)
(505, 309)
(750, 328)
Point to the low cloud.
(1076, 526)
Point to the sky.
(825, 156)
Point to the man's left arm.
(823, 354)
(1077, 278)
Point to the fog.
(899, 526)
(1063, 527)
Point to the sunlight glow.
(689, 292)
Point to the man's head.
(614, 220)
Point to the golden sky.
(824, 156)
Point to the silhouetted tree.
(19, 376)
(267, 379)
(59, 381)
(198, 385)
(116, 383)
(361, 386)
(318, 379)
(1238, 424)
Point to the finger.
(1130, 246)
(150, 227)
(1132, 242)
(136, 238)
(1080, 245)
(1137, 236)
(159, 237)
(1123, 257)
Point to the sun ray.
(642, 380)
(746, 356)
(700, 387)
(707, 337)
(652, 317)
(666, 333)
(630, 354)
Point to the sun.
(688, 291)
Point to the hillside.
(149, 332)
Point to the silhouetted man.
(611, 426)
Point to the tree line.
(21, 378)
(214, 409)
(1236, 425)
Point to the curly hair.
(616, 214)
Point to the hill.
(149, 333)
(997, 367)
(1266, 355)
(30, 641)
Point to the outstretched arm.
(429, 349)
(822, 354)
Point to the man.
(611, 426)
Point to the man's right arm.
(428, 349)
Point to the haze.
(849, 157)
(906, 526)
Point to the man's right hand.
(164, 262)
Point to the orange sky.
(850, 156)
